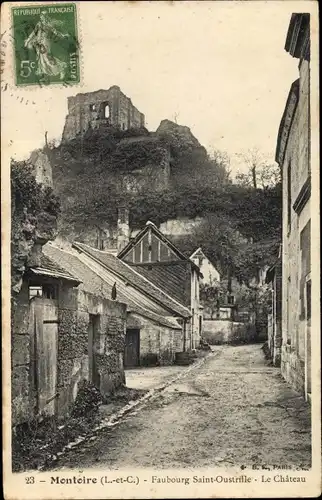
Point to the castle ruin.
(101, 108)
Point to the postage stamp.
(46, 48)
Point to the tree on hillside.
(260, 173)
(222, 160)
(34, 212)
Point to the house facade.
(61, 334)
(293, 156)
(157, 259)
(156, 324)
(208, 270)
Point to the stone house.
(158, 260)
(293, 156)
(156, 324)
(61, 333)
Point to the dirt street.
(234, 409)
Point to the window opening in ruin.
(104, 111)
(93, 107)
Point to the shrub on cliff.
(34, 211)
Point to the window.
(104, 111)
(35, 291)
(47, 291)
(107, 111)
(289, 194)
(231, 299)
(305, 249)
(92, 107)
(50, 291)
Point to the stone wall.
(220, 331)
(156, 339)
(292, 367)
(88, 111)
(22, 400)
(74, 310)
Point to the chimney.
(123, 228)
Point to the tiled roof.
(120, 268)
(93, 283)
(50, 268)
(171, 277)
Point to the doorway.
(44, 350)
(132, 348)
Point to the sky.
(219, 68)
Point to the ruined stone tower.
(103, 107)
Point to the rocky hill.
(161, 176)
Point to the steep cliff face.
(179, 137)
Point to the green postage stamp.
(46, 48)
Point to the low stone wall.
(221, 331)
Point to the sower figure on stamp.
(40, 40)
